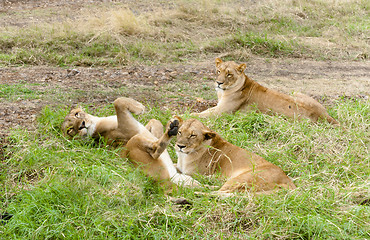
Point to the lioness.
(203, 151)
(145, 146)
(235, 91)
(116, 130)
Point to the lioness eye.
(229, 75)
(193, 136)
(218, 71)
(76, 115)
(179, 133)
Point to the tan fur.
(144, 146)
(236, 91)
(202, 151)
(116, 130)
(144, 150)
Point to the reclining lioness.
(203, 151)
(116, 130)
(235, 91)
(144, 146)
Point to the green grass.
(19, 91)
(258, 44)
(34, 48)
(59, 188)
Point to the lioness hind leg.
(127, 124)
(263, 180)
(138, 149)
(232, 185)
(318, 111)
(155, 127)
(130, 104)
(162, 143)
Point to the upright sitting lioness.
(235, 91)
(203, 151)
(144, 146)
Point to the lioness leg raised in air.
(161, 144)
(127, 124)
(149, 154)
(155, 127)
(156, 147)
(116, 129)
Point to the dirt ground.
(325, 81)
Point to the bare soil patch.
(325, 81)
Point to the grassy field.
(179, 31)
(57, 188)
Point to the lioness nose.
(180, 146)
(82, 125)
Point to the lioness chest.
(103, 126)
(190, 165)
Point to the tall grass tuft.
(119, 21)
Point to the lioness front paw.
(173, 127)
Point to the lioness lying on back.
(144, 146)
(203, 151)
(116, 130)
(235, 91)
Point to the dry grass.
(57, 187)
(192, 30)
(121, 21)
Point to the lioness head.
(229, 74)
(192, 136)
(75, 123)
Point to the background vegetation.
(179, 31)
(56, 188)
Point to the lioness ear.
(241, 68)
(209, 135)
(218, 62)
(74, 108)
